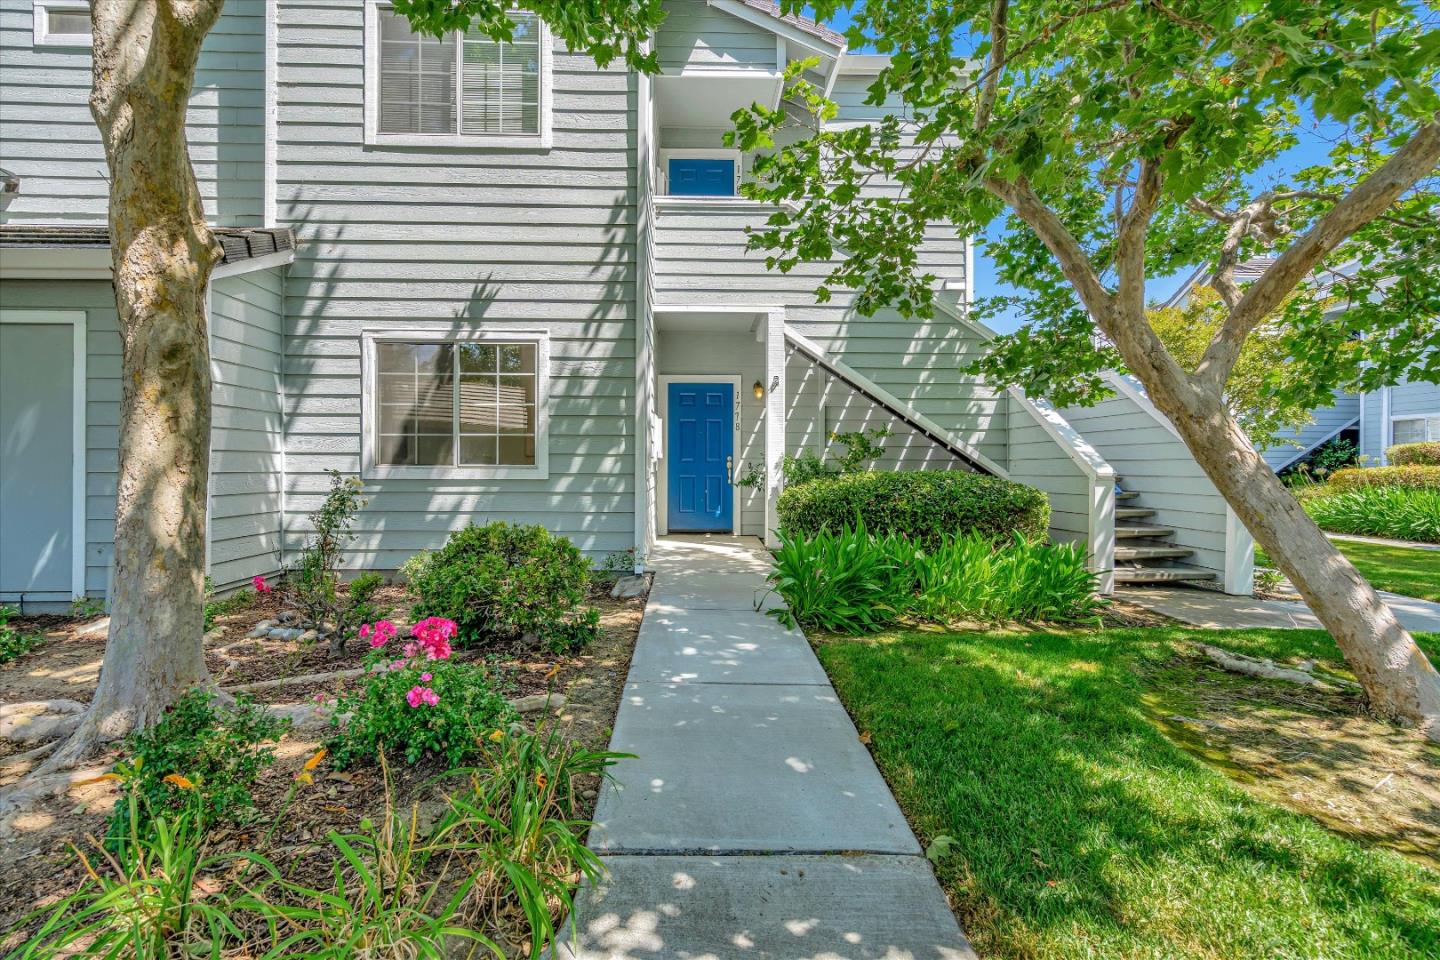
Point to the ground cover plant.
(1398, 513)
(1410, 571)
(13, 641)
(1064, 822)
(926, 506)
(502, 581)
(855, 581)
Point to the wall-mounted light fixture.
(759, 390)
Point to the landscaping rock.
(539, 701)
(628, 588)
(214, 635)
(309, 636)
(285, 633)
(286, 616)
(261, 629)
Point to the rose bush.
(415, 700)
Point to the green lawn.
(1080, 830)
(1413, 572)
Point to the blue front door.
(700, 445)
(702, 177)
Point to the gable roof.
(771, 10)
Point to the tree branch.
(999, 35)
(1074, 261)
(1368, 200)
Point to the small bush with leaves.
(414, 568)
(1424, 454)
(501, 580)
(926, 506)
(1401, 513)
(314, 582)
(415, 700)
(862, 448)
(219, 750)
(1414, 476)
(15, 643)
(234, 603)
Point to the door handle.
(730, 468)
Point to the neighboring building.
(501, 283)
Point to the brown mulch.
(37, 865)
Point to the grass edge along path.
(1077, 829)
(1408, 571)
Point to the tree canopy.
(1182, 117)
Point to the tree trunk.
(162, 252)
(1397, 677)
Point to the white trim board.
(662, 486)
(279, 258)
(448, 333)
(77, 319)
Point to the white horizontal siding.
(697, 37)
(471, 238)
(49, 140)
(247, 436)
(701, 260)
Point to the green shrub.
(214, 748)
(416, 701)
(854, 582)
(1425, 454)
(414, 568)
(1415, 476)
(1401, 513)
(926, 506)
(14, 643)
(500, 580)
(234, 603)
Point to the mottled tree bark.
(145, 53)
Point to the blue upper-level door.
(702, 177)
(700, 444)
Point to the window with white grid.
(462, 89)
(475, 406)
(1415, 429)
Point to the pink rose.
(434, 635)
(421, 696)
(425, 678)
(260, 585)
(379, 633)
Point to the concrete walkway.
(753, 823)
(1209, 608)
(1383, 542)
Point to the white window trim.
(43, 36)
(77, 320)
(373, 137)
(1424, 418)
(667, 155)
(372, 470)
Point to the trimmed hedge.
(1415, 476)
(925, 506)
(1415, 454)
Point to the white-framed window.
(462, 90)
(1415, 429)
(62, 23)
(470, 406)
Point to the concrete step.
(1133, 513)
(1129, 531)
(1126, 495)
(1150, 552)
(1176, 574)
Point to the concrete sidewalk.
(1209, 608)
(753, 823)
